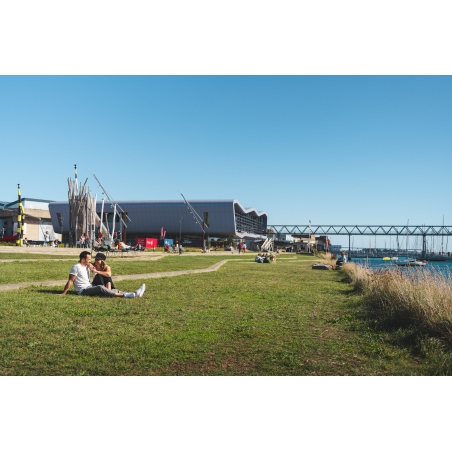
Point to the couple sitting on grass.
(102, 282)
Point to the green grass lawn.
(244, 319)
(4, 256)
(17, 272)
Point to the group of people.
(262, 258)
(102, 283)
(84, 241)
(241, 247)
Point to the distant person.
(82, 241)
(244, 247)
(239, 247)
(2, 232)
(102, 272)
(86, 241)
(26, 242)
(46, 238)
(342, 260)
(124, 246)
(79, 276)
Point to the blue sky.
(330, 149)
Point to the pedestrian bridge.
(361, 230)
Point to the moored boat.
(411, 263)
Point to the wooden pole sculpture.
(81, 209)
(20, 220)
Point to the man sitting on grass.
(79, 275)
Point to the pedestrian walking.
(2, 232)
(239, 247)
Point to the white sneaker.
(140, 291)
(129, 295)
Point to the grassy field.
(17, 272)
(34, 256)
(244, 319)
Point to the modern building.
(335, 249)
(223, 218)
(37, 219)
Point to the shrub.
(417, 297)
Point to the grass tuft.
(412, 297)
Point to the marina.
(379, 263)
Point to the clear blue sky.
(333, 150)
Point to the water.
(378, 262)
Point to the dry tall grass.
(325, 258)
(418, 297)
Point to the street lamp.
(180, 235)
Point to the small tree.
(230, 241)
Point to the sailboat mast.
(407, 226)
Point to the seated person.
(342, 260)
(265, 257)
(138, 247)
(26, 242)
(102, 272)
(79, 276)
(124, 246)
(259, 259)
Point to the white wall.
(46, 226)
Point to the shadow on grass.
(53, 291)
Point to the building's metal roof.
(28, 199)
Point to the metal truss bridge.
(398, 231)
(362, 230)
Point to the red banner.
(146, 243)
(11, 238)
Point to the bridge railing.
(361, 230)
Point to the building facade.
(223, 218)
(37, 219)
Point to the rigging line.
(112, 201)
(194, 213)
(191, 208)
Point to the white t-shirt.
(81, 281)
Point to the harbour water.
(380, 263)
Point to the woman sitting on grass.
(102, 272)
